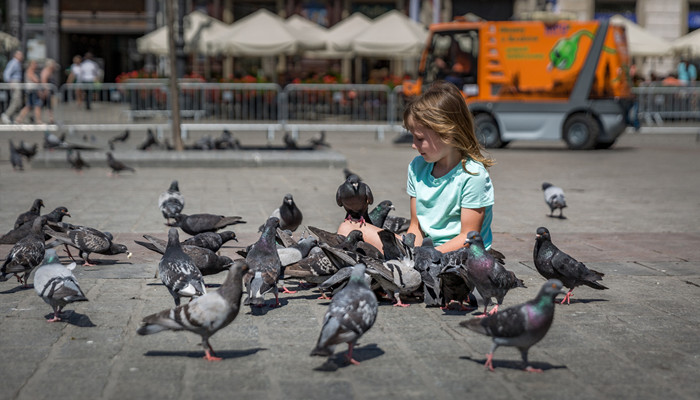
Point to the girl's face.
(429, 144)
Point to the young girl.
(449, 186)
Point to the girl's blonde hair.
(442, 109)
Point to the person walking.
(48, 81)
(13, 75)
(32, 95)
(73, 75)
(89, 73)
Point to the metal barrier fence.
(269, 107)
(675, 104)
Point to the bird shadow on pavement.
(583, 301)
(73, 318)
(18, 288)
(254, 310)
(515, 364)
(360, 354)
(225, 354)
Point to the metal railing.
(668, 104)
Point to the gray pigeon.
(15, 158)
(56, 285)
(177, 271)
(352, 312)
(288, 213)
(519, 326)
(206, 261)
(554, 197)
(26, 150)
(171, 202)
(76, 161)
(296, 252)
(29, 216)
(86, 239)
(355, 197)
(487, 275)
(117, 166)
(26, 254)
(379, 213)
(210, 240)
(15, 235)
(198, 223)
(265, 267)
(204, 315)
(553, 263)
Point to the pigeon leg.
(323, 297)
(528, 367)
(287, 291)
(362, 222)
(349, 355)
(209, 352)
(567, 298)
(68, 251)
(489, 361)
(277, 301)
(56, 315)
(87, 263)
(398, 301)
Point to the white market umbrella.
(640, 41)
(391, 35)
(259, 34)
(687, 42)
(198, 28)
(310, 35)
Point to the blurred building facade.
(60, 29)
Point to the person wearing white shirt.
(89, 72)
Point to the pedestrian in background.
(89, 73)
(13, 75)
(48, 80)
(73, 75)
(32, 99)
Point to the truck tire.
(487, 131)
(604, 145)
(581, 132)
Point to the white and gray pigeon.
(171, 202)
(56, 284)
(178, 272)
(350, 315)
(86, 239)
(554, 197)
(519, 326)
(296, 252)
(355, 197)
(204, 315)
(26, 254)
(265, 267)
(288, 213)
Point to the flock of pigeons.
(354, 273)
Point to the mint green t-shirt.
(439, 200)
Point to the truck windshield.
(453, 56)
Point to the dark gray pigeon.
(51, 141)
(396, 224)
(117, 166)
(554, 197)
(487, 275)
(178, 272)
(519, 326)
(379, 213)
(30, 215)
(204, 315)
(350, 315)
(149, 141)
(86, 239)
(26, 254)
(553, 263)
(288, 213)
(15, 235)
(171, 202)
(289, 142)
(199, 223)
(319, 140)
(56, 284)
(15, 158)
(265, 267)
(27, 151)
(332, 239)
(75, 160)
(210, 240)
(207, 261)
(123, 137)
(355, 197)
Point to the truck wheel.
(581, 132)
(487, 131)
(604, 145)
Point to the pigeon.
(288, 213)
(554, 197)
(27, 151)
(76, 162)
(289, 142)
(15, 158)
(116, 165)
(552, 263)
(396, 224)
(347, 173)
(210, 240)
(355, 197)
(26, 254)
(519, 326)
(487, 275)
(30, 215)
(87, 240)
(265, 267)
(178, 272)
(171, 202)
(296, 252)
(199, 223)
(56, 284)
(337, 240)
(319, 140)
(455, 286)
(206, 260)
(15, 235)
(379, 213)
(204, 315)
(119, 138)
(227, 141)
(352, 312)
(52, 141)
(150, 140)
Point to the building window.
(606, 9)
(35, 11)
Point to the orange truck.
(533, 80)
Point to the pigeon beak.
(67, 214)
(129, 254)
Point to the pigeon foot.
(285, 290)
(489, 362)
(532, 369)
(209, 356)
(567, 298)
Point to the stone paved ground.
(634, 214)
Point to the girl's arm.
(471, 219)
(414, 226)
